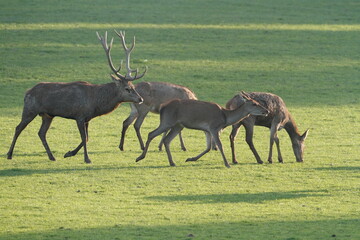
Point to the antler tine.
(107, 49)
(121, 35)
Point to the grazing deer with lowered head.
(80, 101)
(206, 116)
(154, 94)
(279, 117)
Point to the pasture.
(307, 52)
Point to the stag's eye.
(127, 90)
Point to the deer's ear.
(245, 95)
(304, 136)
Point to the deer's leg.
(151, 136)
(273, 136)
(249, 140)
(215, 135)
(180, 138)
(169, 137)
(162, 141)
(137, 126)
(83, 128)
(182, 142)
(277, 141)
(208, 147)
(76, 150)
(46, 122)
(127, 122)
(26, 119)
(233, 134)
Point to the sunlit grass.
(305, 51)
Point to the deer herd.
(177, 105)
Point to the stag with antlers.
(80, 101)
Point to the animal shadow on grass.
(240, 197)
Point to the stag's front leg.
(83, 127)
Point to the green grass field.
(307, 52)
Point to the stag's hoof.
(227, 165)
(184, 149)
(121, 148)
(260, 162)
(235, 162)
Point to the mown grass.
(305, 51)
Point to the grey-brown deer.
(80, 101)
(154, 94)
(206, 116)
(279, 117)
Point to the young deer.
(279, 117)
(80, 101)
(154, 95)
(206, 116)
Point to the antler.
(107, 49)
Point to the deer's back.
(157, 93)
(273, 103)
(193, 114)
(60, 99)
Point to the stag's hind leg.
(27, 117)
(76, 150)
(46, 122)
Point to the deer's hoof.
(68, 154)
(190, 160)
(87, 161)
(140, 158)
(260, 162)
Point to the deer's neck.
(291, 128)
(236, 115)
(107, 99)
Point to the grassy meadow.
(307, 52)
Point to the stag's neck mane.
(107, 98)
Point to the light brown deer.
(279, 117)
(206, 116)
(154, 94)
(80, 101)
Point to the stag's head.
(126, 90)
